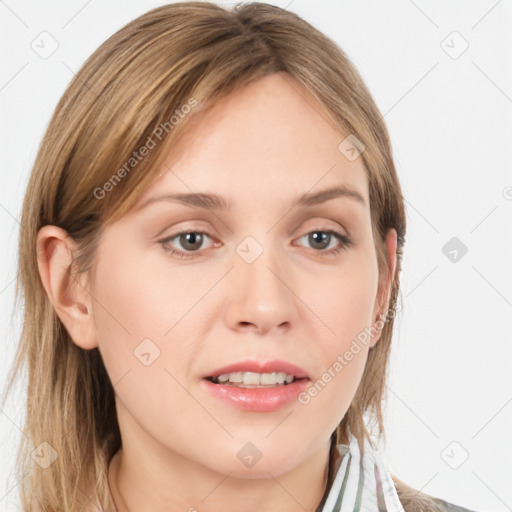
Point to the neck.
(146, 476)
(133, 489)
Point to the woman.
(210, 250)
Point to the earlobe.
(384, 293)
(66, 291)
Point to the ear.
(67, 293)
(385, 286)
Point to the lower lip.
(257, 399)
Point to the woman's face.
(260, 281)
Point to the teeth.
(254, 379)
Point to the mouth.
(257, 386)
(257, 374)
(254, 379)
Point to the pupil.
(191, 239)
(322, 235)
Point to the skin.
(260, 148)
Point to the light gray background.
(450, 120)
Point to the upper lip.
(275, 365)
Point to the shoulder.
(450, 507)
(413, 500)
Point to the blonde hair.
(188, 53)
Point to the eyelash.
(346, 242)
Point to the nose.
(261, 296)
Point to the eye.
(320, 239)
(191, 241)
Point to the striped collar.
(361, 482)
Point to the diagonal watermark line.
(492, 81)
(417, 416)
(121, 378)
(76, 14)
(414, 86)
(301, 300)
(484, 218)
(9, 213)
(13, 487)
(9, 284)
(422, 216)
(422, 281)
(506, 403)
(419, 491)
(286, 490)
(508, 508)
(423, 487)
(485, 15)
(502, 296)
(205, 294)
(216, 487)
(19, 19)
(13, 423)
(14, 76)
(83, 493)
(200, 404)
(424, 14)
(286, 417)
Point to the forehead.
(268, 139)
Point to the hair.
(159, 72)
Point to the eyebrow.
(218, 203)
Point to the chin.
(247, 462)
(261, 470)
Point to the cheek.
(145, 314)
(344, 357)
(136, 317)
(127, 309)
(345, 302)
(136, 297)
(345, 306)
(331, 394)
